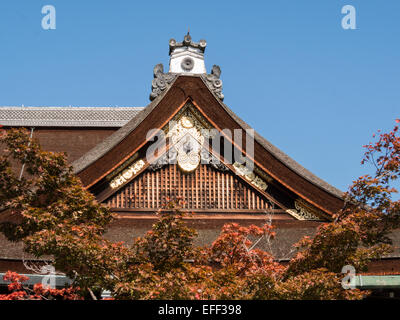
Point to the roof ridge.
(67, 116)
(107, 144)
(71, 107)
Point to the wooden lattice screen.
(205, 188)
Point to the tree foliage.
(55, 216)
(19, 291)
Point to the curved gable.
(289, 176)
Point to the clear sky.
(289, 69)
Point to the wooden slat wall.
(205, 188)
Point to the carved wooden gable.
(186, 166)
(204, 189)
(188, 169)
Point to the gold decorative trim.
(304, 211)
(123, 166)
(251, 177)
(263, 175)
(187, 140)
(127, 174)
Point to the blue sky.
(289, 69)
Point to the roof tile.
(67, 116)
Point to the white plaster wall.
(181, 53)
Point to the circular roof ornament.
(186, 122)
(202, 43)
(187, 64)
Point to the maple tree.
(360, 231)
(49, 209)
(51, 212)
(19, 291)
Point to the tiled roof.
(67, 116)
(112, 140)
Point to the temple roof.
(98, 161)
(171, 92)
(67, 116)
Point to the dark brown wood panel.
(205, 188)
(167, 107)
(74, 141)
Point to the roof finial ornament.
(160, 82)
(186, 57)
(214, 82)
(187, 40)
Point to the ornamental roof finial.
(187, 56)
(187, 42)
